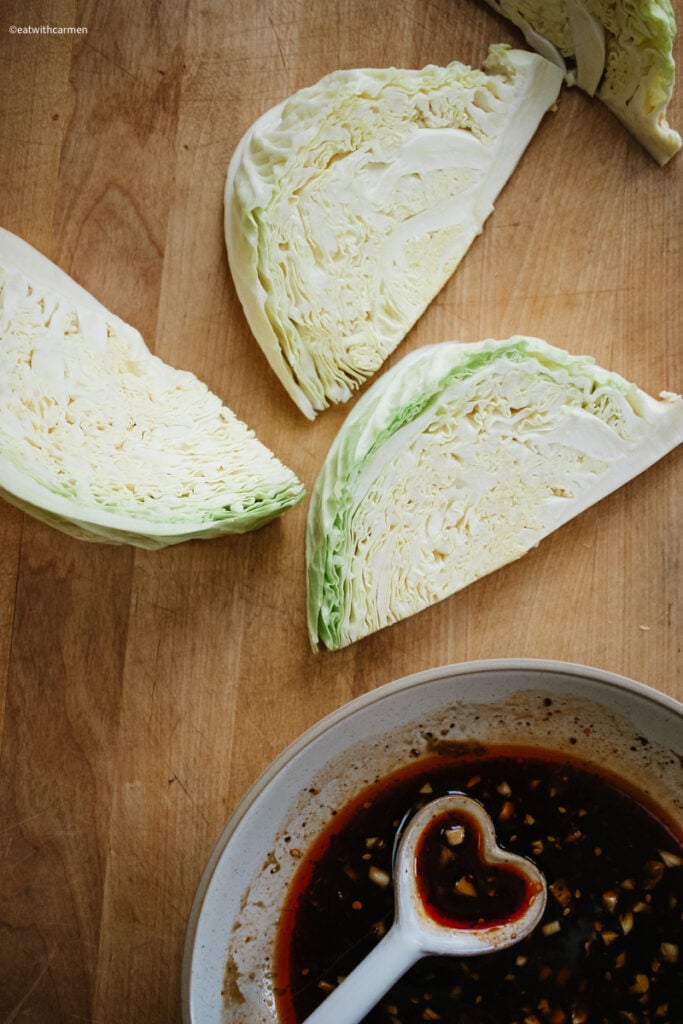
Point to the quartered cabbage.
(348, 207)
(619, 50)
(103, 440)
(457, 461)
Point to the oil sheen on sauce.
(607, 950)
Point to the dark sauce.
(607, 951)
(457, 886)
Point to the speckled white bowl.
(592, 714)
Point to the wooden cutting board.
(142, 693)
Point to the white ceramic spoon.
(416, 932)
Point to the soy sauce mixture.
(458, 888)
(607, 950)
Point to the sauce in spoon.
(458, 888)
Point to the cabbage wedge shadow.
(457, 461)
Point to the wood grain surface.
(142, 693)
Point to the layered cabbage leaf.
(457, 461)
(102, 439)
(619, 50)
(348, 207)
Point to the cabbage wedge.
(457, 461)
(103, 440)
(619, 50)
(349, 206)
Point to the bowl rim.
(610, 679)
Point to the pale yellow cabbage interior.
(89, 413)
(474, 488)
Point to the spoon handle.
(362, 989)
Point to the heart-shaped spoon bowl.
(458, 888)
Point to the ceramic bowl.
(591, 714)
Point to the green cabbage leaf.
(348, 207)
(105, 441)
(459, 460)
(619, 50)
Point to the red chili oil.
(608, 950)
(457, 886)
